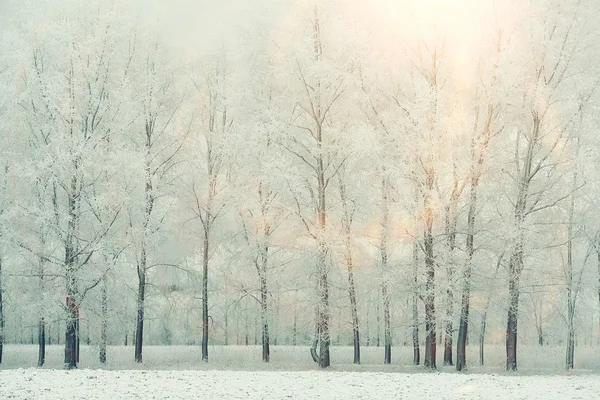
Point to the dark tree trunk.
(463, 328)
(482, 338)
(71, 356)
(1, 313)
(387, 330)
(266, 353)
(449, 328)
(324, 312)
(205, 290)
(513, 312)
(104, 323)
(598, 265)
(41, 342)
(141, 300)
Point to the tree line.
(413, 162)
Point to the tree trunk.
(205, 292)
(387, 333)
(71, 334)
(387, 329)
(430, 323)
(451, 221)
(461, 345)
(598, 261)
(415, 309)
(367, 325)
(141, 300)
(571, 291)
(479, 145)
(104, 323)
(482, 338)
(41, 322)
(378, 319)
(264, 313)
(2, 313)
(346, 223)
(515, 268)
(72, 323)
(324, 312)
(41, 343)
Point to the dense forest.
(417, 173)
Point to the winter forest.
(368, 175)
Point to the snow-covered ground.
(533, 359)
(101, 384)
(236, 372)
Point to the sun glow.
(460, 30)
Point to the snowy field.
(236, 372)
(274, 385)
(533, 360)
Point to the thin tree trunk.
(205, 293)
(482, 338)
(479, 145)
(104, 323)
(415, 305)
(571, 291)
(461, 345)
(378, 319)
(346, 223)
(598, 261)
(387, 329)
(266, 353)
(2, 312)
(451, 221)
(367, 327)
(41, 323)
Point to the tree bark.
(266, 353)
(141, 302)
(72, 328)
(516, 260)
(346, 223)
(205, 291)
(41, 342)
(1, 312)
(415, 308)
(104, 323)
(479, 145)
(451, 222)
(430, 323)
(598, 265)
(387, 328)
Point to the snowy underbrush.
(546, 360)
